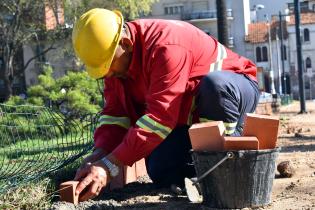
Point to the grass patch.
(30, 196)
(39, 194)
(33, 157)
(30, 159)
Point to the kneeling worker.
(160, 77)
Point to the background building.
(267, 54)
(203, 14)
(308, 53)
(50, 16)
(284, 65)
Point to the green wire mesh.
(35, 141)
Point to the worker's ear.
(126, 44)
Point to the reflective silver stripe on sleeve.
(148, 124)
(112, 120)
(222, 54)
(230, 127)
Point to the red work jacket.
(169, 59)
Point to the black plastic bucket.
(243, 181)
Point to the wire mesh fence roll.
(35, 141)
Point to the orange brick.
(264, 127)
(141, 169)
(67, 192)
(207, 136)
(118, 181)
(130, 174)
(241, 143)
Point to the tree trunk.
(8, 72)
(222, 22)
(7, 87)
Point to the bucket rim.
(261, 151)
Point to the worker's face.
(122, 59)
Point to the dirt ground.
(297, 140)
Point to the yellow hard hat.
(95, 38)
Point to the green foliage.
(131, 9)
(75, 93)
(13, 125)
(28, 122)
(15, 100)
(134, 8)
(38, 101)
(72, 96)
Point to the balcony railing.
(206, 14)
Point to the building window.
(303, 7)
(261, 54)
(173, 10)
(284, 53)
(308, 63)
(264, 54)
(306, 35)
(307, 84)
(176, 10)
(258, 54)
(181, 9)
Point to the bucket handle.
(195, 180)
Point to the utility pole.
(297, 11)
(279, 64)
(222, 24)
(272, 86)
(282, 54)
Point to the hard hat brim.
(98, 72)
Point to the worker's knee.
(156, 174)
(168, 163)
(175, 175)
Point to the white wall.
(57, 58)
(239, 26)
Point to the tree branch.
(38, 55)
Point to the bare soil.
(297, 140)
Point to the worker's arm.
(169, 68)
(111, 128)
(114, 121)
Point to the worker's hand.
(93, 177)
(97, 154)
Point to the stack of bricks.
(126, 175)
(260, 132)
